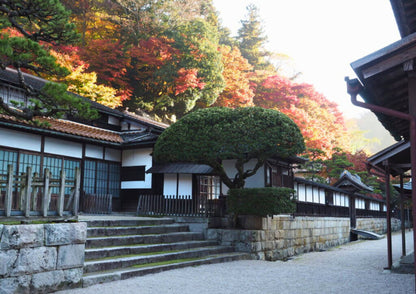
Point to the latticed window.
(56, 164)
(6, 158)
(102, 177)
(209, 187)
(32, 160)
(17, 95)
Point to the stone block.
(73, 276)
(230, 235)
(47, 281)
(20, 236)
(33, 260)
(243, 247)
(18, 285)
(212, 234)
(7, 261)
(63, 234)
(70, 256)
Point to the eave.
(384, 78)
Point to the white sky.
(322, 36)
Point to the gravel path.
(356, 267)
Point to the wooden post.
(45, 202)
(61, 198)
(28, 191)
(76, 191)
(35, 189)
(9, 190)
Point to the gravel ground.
(356, 267)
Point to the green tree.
(27, 28)
(209, 136)
(178, 72)
(251, 40)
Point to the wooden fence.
(96, 203)
(30, 195)
(182, 205)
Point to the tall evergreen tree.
(251, 40)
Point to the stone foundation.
(281, 237)
(41, 258)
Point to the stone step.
(126, 273)
(105, 252)
(130, 222)
(135, 230)
(132, 260)
(97, 242)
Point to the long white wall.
(137, 157)
(20, 140)
(63, 147)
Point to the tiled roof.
(68, 127)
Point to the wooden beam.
(389, 62)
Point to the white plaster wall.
(62, 147)
(112, 154)
(169, 184)
(137, 157)
(185, 184)
(94, 151)
(322, 196)
(309, 197)
(301, 192)
(20, 140)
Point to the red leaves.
(187, 79)
(320, 121)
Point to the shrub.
(260, 201)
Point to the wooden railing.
(182, 205)
(30, 195)
(96, 203)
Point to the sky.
(322, 37)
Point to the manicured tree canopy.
(211, 135)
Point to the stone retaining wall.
(377, 225)
(41, 258)
(283, 236)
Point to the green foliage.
(27, 29)
(211, 135)
(261, 201)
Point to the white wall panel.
(138, 157)
(185, 184)
(63, 147)
(94, 151)
(169, 184)
(20, 140)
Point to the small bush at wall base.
(261, 201)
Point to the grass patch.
(167, 262)
(135, 255)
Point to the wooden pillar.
(412, 112)
(389, 243)
(402, 220)
(353, 218)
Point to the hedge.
(261, 201)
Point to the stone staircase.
(121, 249)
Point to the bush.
(260, 201)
